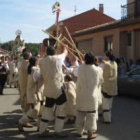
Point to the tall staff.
(73, 44)
(61, 43)
(56, 9)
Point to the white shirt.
(73, 69)
(60, 61)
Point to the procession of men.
(63, 85)
(59, 87)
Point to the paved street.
(125, 124)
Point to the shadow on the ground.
(125, 124)
(9, 130)
(9, 94)
(17, 102)
(17, 111)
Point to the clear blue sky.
(31, 16)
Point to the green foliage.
(34, 47)
(7, 45)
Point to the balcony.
(131, 10)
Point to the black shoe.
(105, 122)
(20, 127)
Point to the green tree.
(34, 47)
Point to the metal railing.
(131, 10)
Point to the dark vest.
(2, 69)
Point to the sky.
(31, 16)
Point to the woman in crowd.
(4, 69)
(70, 91)
(99, 93)
(34, 94)
(121, 67)
(109, 86)
(13, 72)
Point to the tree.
(34, 47)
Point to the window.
(108, 40)
(85, 45)
(129, 40)
(137, 12)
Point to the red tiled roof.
(105, 26)
(85, 20)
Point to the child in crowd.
(69, 88)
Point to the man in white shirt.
(73, 69)
(51, 71)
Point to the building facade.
(122, 36)
(81, 21)
(130, 30)
(99, 39)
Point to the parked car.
(129, 84)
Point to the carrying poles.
(60, 42)
(73, 45)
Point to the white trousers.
(48, 115)
(106, 107)
(31, 114)
(85, 120)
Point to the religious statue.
(18, 44)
